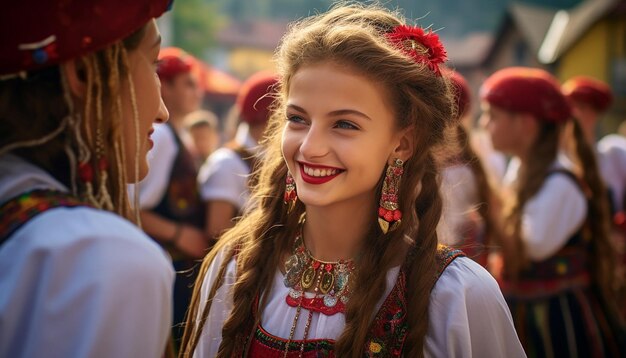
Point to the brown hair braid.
(603, 262)
(531, 179)
(350, 36)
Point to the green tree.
(194, 26)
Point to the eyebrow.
(340, 112)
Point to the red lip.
(150, 142)
(317, 180)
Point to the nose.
(315, 143)
(162, 115)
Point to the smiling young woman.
(339, 257)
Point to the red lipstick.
(317, 180)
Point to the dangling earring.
(389, 216)
(290, 193)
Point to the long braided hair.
(60, 136)
(351, 36)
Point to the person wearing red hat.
(172, 212)
(558, 267)
(79, 97)
(224, 176)
(589, 99)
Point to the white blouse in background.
(554, 214)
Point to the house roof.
(568, 26)
(532, 22)
(468, 51)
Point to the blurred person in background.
(172, 212)
(559, 269)
(590, 99)
(203, 129)
(79, 96)
(224, 177)
(465, 187)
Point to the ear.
(76, 80)
(530, 124)
(404, 144)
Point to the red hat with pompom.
(256, 96)
(41, 33)
(588, 90)
(528, 90)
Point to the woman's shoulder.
(468, 315)
(84, 229)
(464, 280)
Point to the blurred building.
(249, 45)
(590, 39)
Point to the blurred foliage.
(195, 23)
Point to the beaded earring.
(389, 216)
(290, 196)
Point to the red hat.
(462, 92)
(529, 90)
(255, 97)
(588, 90)
(41, 33)
(171, 66)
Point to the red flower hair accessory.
(423, 47)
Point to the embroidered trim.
(19, 210)
(387, 333)
(264, 340)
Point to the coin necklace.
(329, 281)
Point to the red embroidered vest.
(386, 336)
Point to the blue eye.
(345, 125)
(295, 119)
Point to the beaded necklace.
(328, 281)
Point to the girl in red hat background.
(590, 99)
(78, 97)
(559, 268)
(339, 256)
